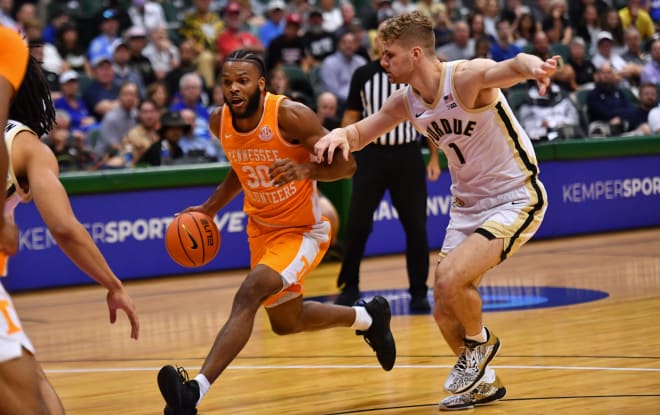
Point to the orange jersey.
(252, 153)
(13, 57)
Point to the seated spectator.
(147, 15)
(122, 69)
(191, 97)
(628, 73)
(503, 48)
(57, 20)
(160, 51)
(217, 99)
(337, 69)
(235, 36)
(482, 49)
(143, 135)
(326, 110)
(274, 24)
(634, 53)
(556, 24)
(648, 99)
(198, 149)
(115, 125)
(58, 141)
(550, 116)
(50, 59)
(188, 54)
(319, 43)
(611, 23)
(442, 26)
(461, 46)
(431, 8)
(70, 149)
(289, 47)
(651, 71)
(609, 108)
(166, 150)
(37, 51)
(635, 15)
(160, 95)
(202, 26)
(70, 48)
(582, 66)
(136, 40)
(654, 120)
(69, 101)
(588, 25)
(524, 28)
(101, 94)
(101, 45)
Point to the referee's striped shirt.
(369, 89)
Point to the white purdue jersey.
(487, 150)
(14, 194)
(12, 336)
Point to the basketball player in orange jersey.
(13, 61)
(268, 140)
(499, 201)
(33, 175)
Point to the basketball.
(192, 239)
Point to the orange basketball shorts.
(293, 252)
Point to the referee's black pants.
(401, 170)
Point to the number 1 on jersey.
(458, 152)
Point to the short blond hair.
(411, 29)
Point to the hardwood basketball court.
(598, 357)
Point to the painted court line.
(297, 367)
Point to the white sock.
(479, 338)
(204, 386)
(363, 319)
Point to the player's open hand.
(284, 171)
(324, 149)
(119, 299)
(544, 71)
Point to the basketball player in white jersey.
(499, 201)
(33, 175)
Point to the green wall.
(108, 181)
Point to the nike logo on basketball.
(192, 240)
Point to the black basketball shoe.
(379, 336)
(181, 395)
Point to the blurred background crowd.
(134, 81)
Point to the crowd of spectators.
(125, 70)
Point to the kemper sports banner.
(585, 196)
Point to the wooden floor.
(600, 357)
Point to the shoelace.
(183, 374)
(462, 362)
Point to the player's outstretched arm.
(354, 137)
(34, 161)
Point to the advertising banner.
(128, 228)
(585, 196)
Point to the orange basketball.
(192, 239)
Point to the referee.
(379, 168)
